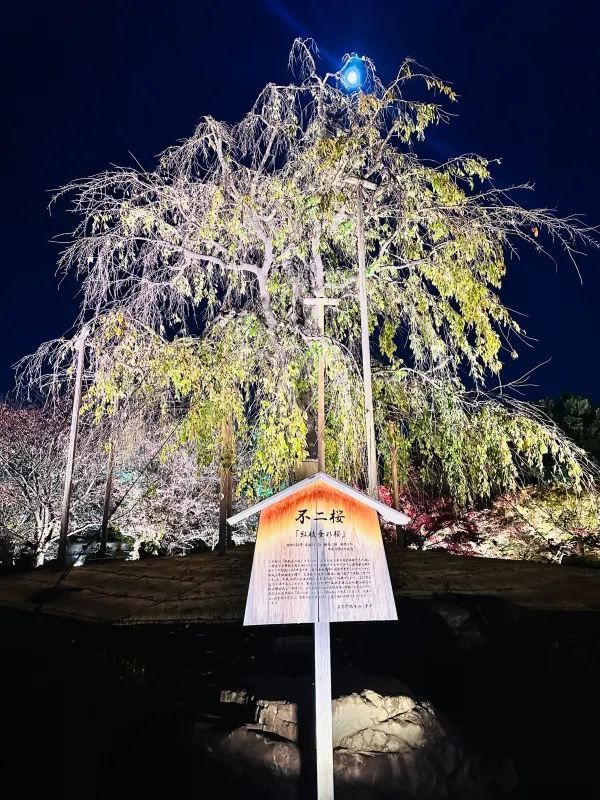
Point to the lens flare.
(352, 77)
(353, 74)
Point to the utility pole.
(320, 301)
(364, 337)
(68, 485)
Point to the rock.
(467, 631)
(386, 746)
(402, 745)
(357, 718)
(250, 762)
(391, 776)
(248, 758)
(276, 756)
(239, 698)
(273, 716)
(279, 717)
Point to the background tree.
(33, 445)
(162, 502)
(578, 417)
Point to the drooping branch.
(190, 266)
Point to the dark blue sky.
(86, 82)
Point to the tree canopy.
(194, 274)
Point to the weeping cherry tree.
(194, 275)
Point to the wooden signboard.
(319, 556)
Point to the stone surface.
(279, 717)
(368, 721)
(467, 631)
(245, 748)
(202, 588)
(385, 746)
(249, 758)
(238, 698)
(273, 716)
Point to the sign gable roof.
(386, 512)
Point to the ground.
(98, 711)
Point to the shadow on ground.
(89, 712)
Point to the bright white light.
(353, 73)
(352, 77)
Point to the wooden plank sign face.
(319, 557)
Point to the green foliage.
(470, 449)
(560, 518)
(543, 523)
(240, 223)
(538, 523)
(280, 435)
(578, 418)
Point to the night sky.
(87, 82)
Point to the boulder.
(249, 747)
(237, 697)
(385, 746)
(371, 722)
(279, 717)
(249, 763)
(272, 716)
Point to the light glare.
(353, 73)
(352, 77)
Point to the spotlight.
(352, 77)
(353, 73)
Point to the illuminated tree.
(241, 223)
(162, 501)
(578, 418)
(163, 505)
(32, 462)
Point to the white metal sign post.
(319, 558)
(323, 717)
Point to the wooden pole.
(107, 499)
(223, 513)
(364, 338)
(229, 502)
(66, 503)
(323, 715)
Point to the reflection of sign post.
(319, 558)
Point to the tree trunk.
(395, 492)
(107, 499)
(229, 503)
(225, 493)
(265, 301)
